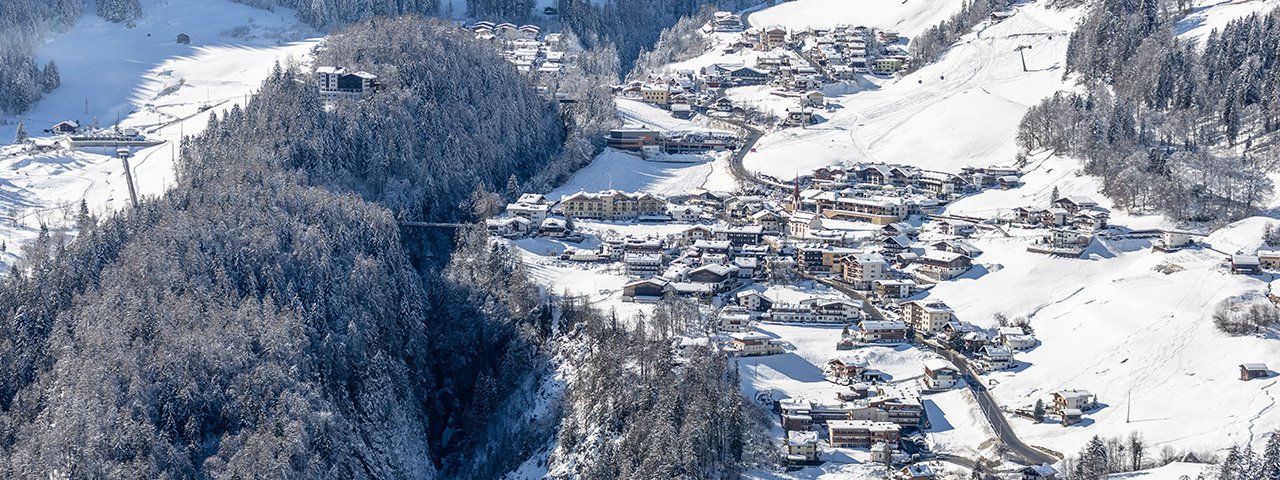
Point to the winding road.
(1019, 451)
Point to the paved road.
(1021, 452)
(735, 163)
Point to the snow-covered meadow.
(144, 79)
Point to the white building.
(336, 81)
(996, 358)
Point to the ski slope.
(961, 111)
(142, 77)
(1209, 15)
(907, 17)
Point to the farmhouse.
(749, 344)
(1269, 258)
(1073, 399)
(1042, 471)
(1246, 264)
(876, 331)
(940, 374)
(1075, 203)
(754, 301)
(996, 358)
(65, 127)
(847, 369)
(1250, 371)
(1015, 338)
(940, 265)
(798, 117)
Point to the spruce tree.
(51, 78)
(21, 135)
(1271, 458)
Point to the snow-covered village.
(596, 239)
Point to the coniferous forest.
(1167, 126)
(292, 324)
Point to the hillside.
(954, 113)
(146, 80)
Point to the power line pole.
(123, 153)
(1021, 53)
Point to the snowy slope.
(961, 111)
(1040, 177)
(907, 17)
(1210, 15)
(618, 170)
(151, 83)
(1119, 328)
(103, 64)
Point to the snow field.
(145, 79)
(960, 111)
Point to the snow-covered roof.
(715, 268)
(659, 281)
(799, 438)
(935, 364)
(1011, 330)
(941, 255)
(883, 325)
(746, 336)
(1076, 394)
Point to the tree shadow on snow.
(937, 418)
(793, 366)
